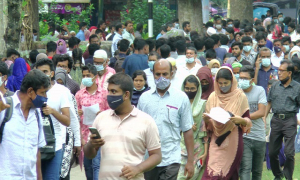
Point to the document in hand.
(218, 114)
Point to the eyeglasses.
(280, 70)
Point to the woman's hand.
(238, 120)
(203, 157)
(205, 117)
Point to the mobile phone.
(199, 163)
(95, 131)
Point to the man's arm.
(38, 166)
(189, 144)
(63, 117)
(90, 149)
(268, 108)
(257, 66)
(259, 113)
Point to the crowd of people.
(152, 103)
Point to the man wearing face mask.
(287, 43)
(219, 27)
(237, 48)
(263, 68)
(255, 141)
(119, 125)
(248, 53)
(24, 130)
(284, 100)
(104, 72)
(230, 34)
(171, 110)
(278, 55)
(153, 57)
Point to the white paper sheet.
(89, 114)
(218, 114)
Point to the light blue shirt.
(172, 114)
(20, 143)
(115, 41)
(80, 35)
(128, 36)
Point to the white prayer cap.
(100, 54)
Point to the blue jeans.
(92, 167)
(253, 158)
(51, 168)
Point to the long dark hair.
(224, 73)
(77, 56)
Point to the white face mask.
(214, 71)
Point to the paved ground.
(77, 174)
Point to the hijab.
(277, 32)
(228, 65)
(61, 74)
(234, 101)
(19, 71)
(212, 62)
(266, 21)
(205, 73)
(61, 49)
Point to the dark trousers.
(163, 173)
(287, 129)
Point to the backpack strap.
(7, 117)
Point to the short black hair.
(128, 22)
(64, 57)
(257, 22)
(151, 43)
(92, 48)
(229, 20)
(154, 53)
(209, 24)
(286, 38)
(3, 68)
(211, 53)
(171, 43)
(124, 81)
(77, 55)
(118, 26)
(287, 20)
(140, 73)
(139, 26)
(184, 24)
(292, 25)
(51, 46)
(165, 51)
(236, 23)
(82, 24)
(199, 44)
(92, 37)
(249, 69)
(248, 29)
(98, 31)
(239, 44)
(230, 30)
(223, 39)
(192, 48)
(160, 42)
(277, 40)
(43, 62)
(139, 44)
(246, 39)
(180, 46)
(290, 65)
(11, 52)
(123, 45)
(91, 68)
(224, 73)
(35, 79)
(100, 23)
(216, 38)
(32, 55)
(259, 36)
(175, 20)
(209, 43)
(260, 29)
(73, 41)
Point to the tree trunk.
(3, 20)
(27, 26)
(13, 29)
(191, 10)
(35, 16)
(240, 9)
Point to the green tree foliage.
(138, 13)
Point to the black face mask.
(205, 87)
(284, 81)
(190, 94)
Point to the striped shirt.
(126, 141)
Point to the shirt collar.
(15, 99)
(133, 113)
(154, 90)
(292, 83)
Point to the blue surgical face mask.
(237, 76)
(162, 83)
(190, 60)
(140, 89)
(275, 20)
(88, 82)
(151, 64)
(287, 47)
(247, 48)
(266, 62)
(280, 19)
(114, 101)
(200, 54)
(230, 25)
(39, 101)
(244, 83)
(99, 67)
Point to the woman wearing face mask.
(214, 66)
(192, 87)
(140, 86)
(226, 140)
(19, 71)
(236, 66)
(61, 47)
(207, 83)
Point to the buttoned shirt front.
(20, 143)
(275, 60)
(263, 77)
(172, 114)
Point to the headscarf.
(228, 65)
(212, 62)
(61, 74)
(266, 21)
(87, 34)
(294, 51)
(277, 32)
(61, 49)
(19, 71)
(235, 102)
(205, 73)
(92, 28)
(236, 65)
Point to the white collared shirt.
(150, 78)
(181, 60)
(20, 143)
(276, 60)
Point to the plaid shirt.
(250, 58)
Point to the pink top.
(84, 98)
(109, 69)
